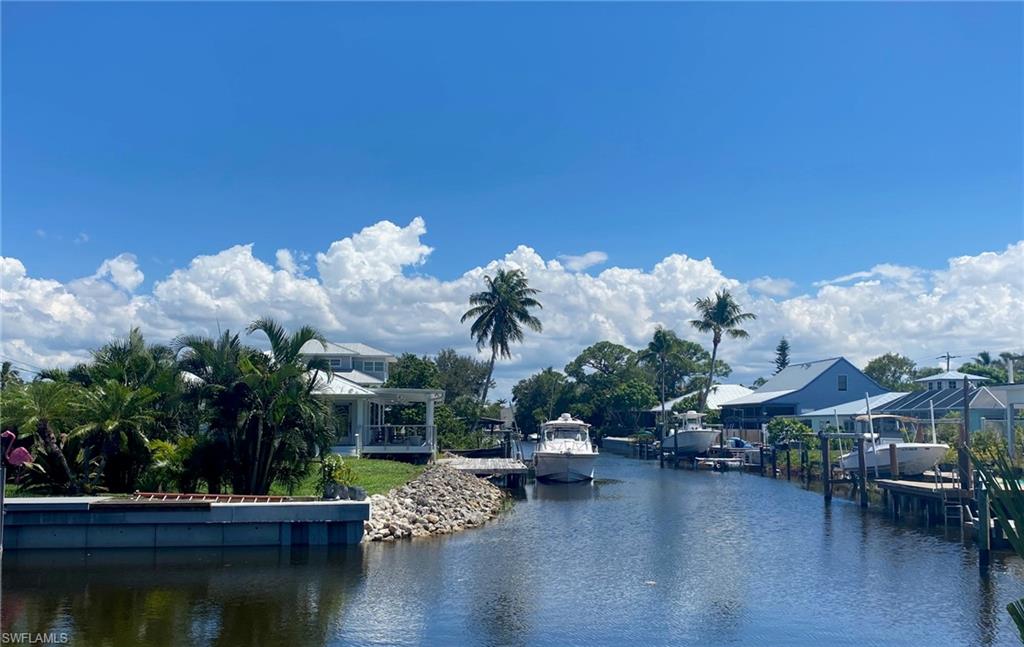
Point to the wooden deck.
(486, 466)
(925, 489)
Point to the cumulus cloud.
(773, 287)
(123, 271)
(583, 261)
(366, 292)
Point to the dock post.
(964, 442)
(862, 473)
(804, 460)
(826, 469)
(789, 463)
(775, 465)
(894, 465)
(984, 528)
(760, 462)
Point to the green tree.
(630, 399)
(983, 366)
(286, 424)
(892, 371)
(788, 430)
(115, 420)
(719, 315)
(460, 374)
(660, 351)
(39, 406)
(8, 375)
(412, 372)
(499, 314)
(220, 399)
(781, 355)
(539, 398)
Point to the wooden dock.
(924, 489)
(486, 467)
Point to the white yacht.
(691, 439)
(565, 453)
(912, 458)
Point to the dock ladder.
(952, 509)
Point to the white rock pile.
(437, 502)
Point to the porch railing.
(400, 435)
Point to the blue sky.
(798, 140)
(853, 171)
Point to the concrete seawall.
(104, 522)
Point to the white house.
(361, 403)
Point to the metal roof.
(950, 375)
(942, 400)
(344, 348)
(855, 407)
(758, 397)
(790, 379)
(720, 393)
(338, 385)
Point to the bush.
(334, 471)
(788, 430)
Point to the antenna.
(947, 357)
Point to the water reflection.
(177, 597)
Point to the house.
(845, 414)
(949, 380)
(799, 389)
(366, 413)
(984, 403)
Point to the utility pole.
(947, 357)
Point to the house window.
(368, 366)
(335, 364)
(952, 384)
(842, 383)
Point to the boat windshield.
(565, 433)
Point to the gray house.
(799, 389)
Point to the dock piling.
(862, 471)
(894, 465)
(826, 469)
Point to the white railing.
(400, 435)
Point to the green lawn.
(375, 476)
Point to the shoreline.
(440, 501)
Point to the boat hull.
(564, 467)
(690, 443)
(912, 458)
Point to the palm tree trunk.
(256, 455)
(483, 393)
(49, 439)
(707, 387)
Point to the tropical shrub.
(787, 430)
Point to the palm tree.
(211, 370)
(660, 350)
(984, 358)
(719, 315)
(117, 419)
(285, 416)
(39, 405)
(8, 375)
(499, 314)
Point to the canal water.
(642, 556)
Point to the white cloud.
(377, 253)
(123, 271)
(582, 262)
(773, 287)
(364, 292)
(81, 238)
